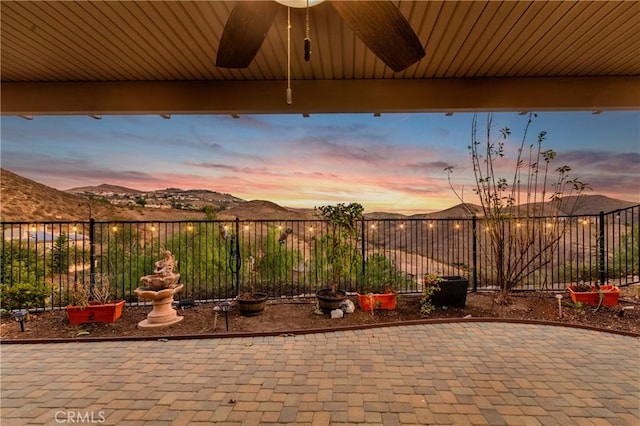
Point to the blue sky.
(394, 162)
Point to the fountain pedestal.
(163, 314)
(160, 288)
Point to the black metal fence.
(289, 258)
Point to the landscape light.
(225, 308)
(19, 316)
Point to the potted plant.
(376, 289)
(596, 295)
(341, 221)
(92, 303)
(251, 303)
(451, 290)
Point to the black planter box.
(453, 292)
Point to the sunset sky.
(390, 163)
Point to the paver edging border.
(317, 330)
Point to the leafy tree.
(209, 213)
(341, 221)
(204, 259)
(276, 260)
(626, 255)
(121, 259)
(59, 262)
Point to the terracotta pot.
(251, 307)
(611, 294)
(108, 312)
(328, 300)
(453, 292)
(367, 302)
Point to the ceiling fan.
(379, 24)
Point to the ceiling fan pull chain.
(307, 40)
(289, 94)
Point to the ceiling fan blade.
(244, 32)
(385, 31)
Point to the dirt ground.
(293, 316)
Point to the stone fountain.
(160, 288)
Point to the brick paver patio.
(435, 374)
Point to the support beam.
(322, 96)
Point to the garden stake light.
(225, 309)
(19, 316)
(559, 297)
(216, 311)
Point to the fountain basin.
(163, 314)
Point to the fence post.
(474, 253)
(601, 251)
(362, 248)
(92, 255)
(236, 260)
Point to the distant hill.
(24, 200)
(267, 210)
(189, 199)
(384, 216)
(457, 211)
(103, 189)
(577, 206)
(593, 204)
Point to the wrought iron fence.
(289, 258)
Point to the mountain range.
(24, 200)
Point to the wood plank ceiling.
(102, 57)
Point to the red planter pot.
(367, 302)
(109, 312)
(611, 294)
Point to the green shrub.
(380, 275)
(22, 296)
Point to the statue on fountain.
(163, 275)
(160, 288)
